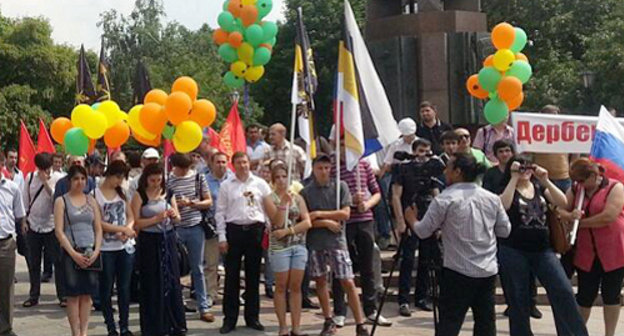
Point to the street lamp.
(588, 78)
(234, 97)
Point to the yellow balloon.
(80, 115)
(96, 126)
(254, 74)
(135, 124)
(245, 53)
(248, 2)
(503, 59)
(123, 115)
(111, 111)
(187, 136)
(238, 68)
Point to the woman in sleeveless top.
(117, 246)
(161, 306)
(599, 256)
(78, 228)
(287, 249)
(527, 250)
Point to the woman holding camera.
(79, 232)
(527, 250)
(599, 257)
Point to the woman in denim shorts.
(287, 249)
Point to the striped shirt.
(187, 186)
(368, 185)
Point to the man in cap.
(149, 156)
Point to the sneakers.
(329, 328)
(404, 310)
(381, 321)
(209, 301)
(339, 320)
(361, 330)
(424, 305)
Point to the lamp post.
(588, 78)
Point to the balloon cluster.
(90, 123)
(503, 74)
(178, 116)
(244, 40)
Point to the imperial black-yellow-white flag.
(367, 123)
(304, 86)
(85, 92)
(103, 83)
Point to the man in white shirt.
(11, 165)
(240, 225)
(407, 127)
(11, 212)
(256, 147)
(38, 194)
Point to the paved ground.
(50, 320)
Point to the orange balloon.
(117, 135)
(235, 39)
(220, 36)
(503, 35)
(489, 61)
(509, 88)
(187, 85)
(152, 143)
(203, 113)
(516, 102)
(153, 118)
(475, 89)
(268, 46)
(59, 127)
(522, 57)
(249, 15)
(155, 96)
(235, 7)
(177, 107)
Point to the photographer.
(416, 183)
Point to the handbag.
(559, 231)
(96, 266)
(207, 222)
(183, 258)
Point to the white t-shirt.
(113, 212)
(398, 146)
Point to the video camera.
(423, 176)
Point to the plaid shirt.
(299, 157)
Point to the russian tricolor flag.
(608, 146)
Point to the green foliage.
(169, 51)
(323, 21)
(15, 104)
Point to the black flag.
(103, 82)
(85, 92)
(141, 83)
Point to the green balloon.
(226, 4)
(228, 53)
(520, 40)
(262, 56)
(264, 8)
(254, 35)
(521, 70)
(495, 111)
(168, 132)
(226, 21)
(238, 26)
(270, 30)
(489, 78)
(76, 142)
(273, 41)
(232, 81)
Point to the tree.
(323, 20)
(169, 51)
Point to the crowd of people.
(133, 226)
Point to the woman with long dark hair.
(161, 306)
(79, 232)
(117, 246)
(527, 250)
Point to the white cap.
(407, 126)
(150, 153)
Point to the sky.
(74, 21)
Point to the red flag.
(215, 139)
(26, 151)
(168, 150)
(44, 142)
(232, 136)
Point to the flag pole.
(337, 139)
(293, 121)
(579, 206)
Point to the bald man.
(464, 146)
(281, 149)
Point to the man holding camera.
(416, 183)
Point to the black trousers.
(458, 293)
(244, 241)
(37, 244)
(361, 240)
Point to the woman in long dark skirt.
(161, 305)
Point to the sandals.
(31, 302)
(293, 334)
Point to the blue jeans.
(382, 216)
(516, 267)
(193, 238)
(408, 258)
(292, 258)
(116, 265)
(563, 185)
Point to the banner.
(554, 133)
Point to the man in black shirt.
(430, 127)
(493, 178)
